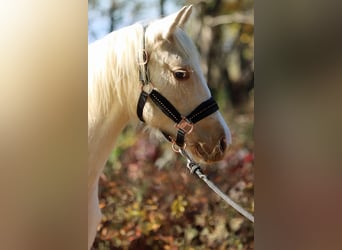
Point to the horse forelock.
(179, 41)
(186, 46)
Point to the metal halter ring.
(147, 88)
(175, 147)
(145, 58)
(185, 125)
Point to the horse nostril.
(201, 149)
(223, 144)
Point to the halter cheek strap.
(184, 124)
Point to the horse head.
(173, 70)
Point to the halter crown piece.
(184, 124)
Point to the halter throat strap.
(184, 124)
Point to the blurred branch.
(195, 2)
(161, 8)
(247, 18)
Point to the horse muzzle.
(209, 141)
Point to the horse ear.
(185, 17)
(177, 19)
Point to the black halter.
(184, 124)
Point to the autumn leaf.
(178, 206)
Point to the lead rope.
(196, 168)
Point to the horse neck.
(111, 101)
(102, 135)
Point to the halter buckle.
(147, 88)
(185, 125)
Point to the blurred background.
(149, 203)
(148, 198)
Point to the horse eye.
(181, 74)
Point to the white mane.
(112, 68)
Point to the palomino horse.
(149, 72)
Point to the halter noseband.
(184, 124)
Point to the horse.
(152, 73)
